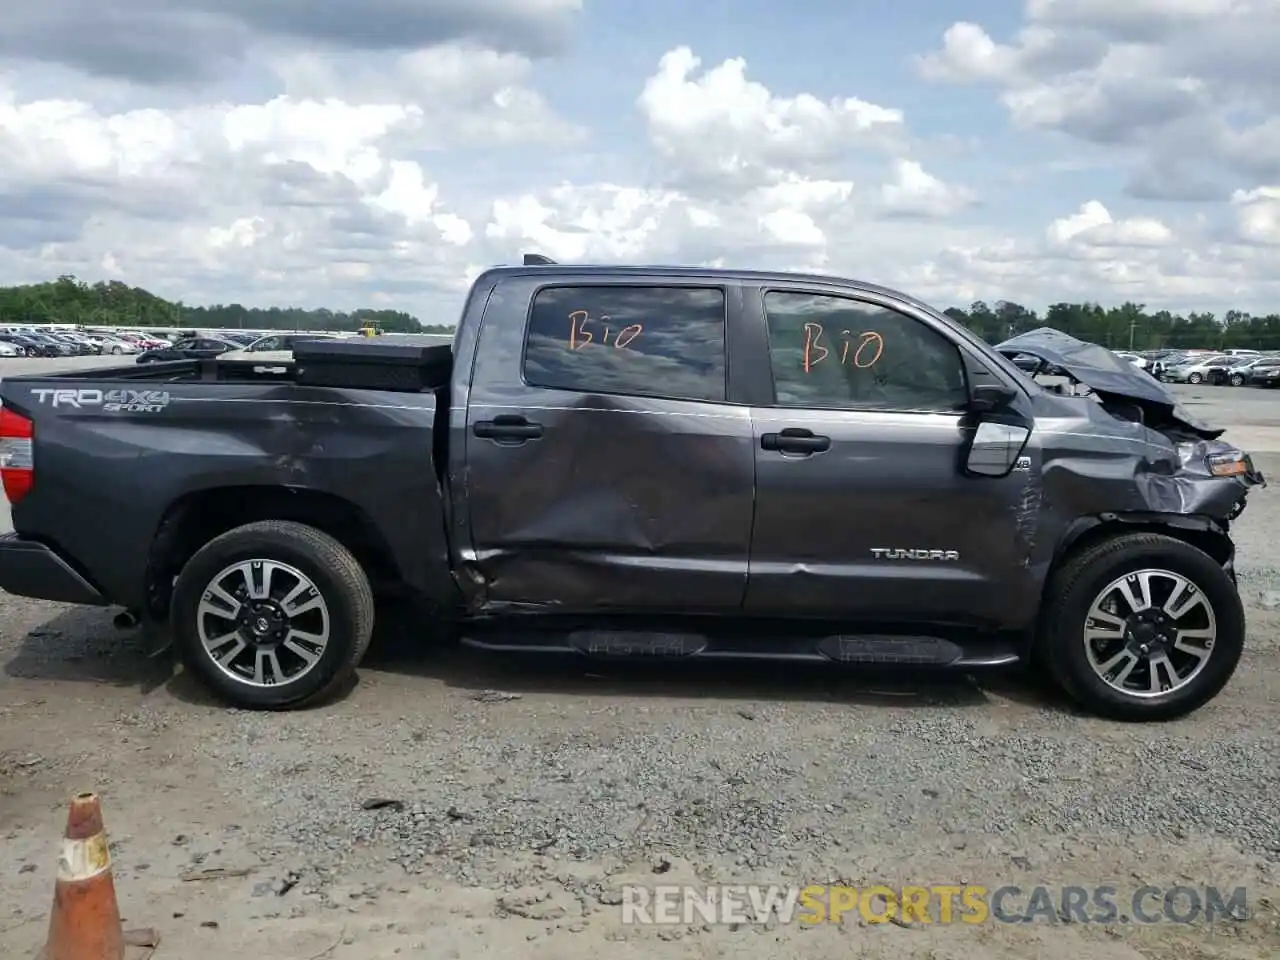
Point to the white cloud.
(183, 41)
(602, 223)
(464, 93)
(394, 179)
(325, 189)
(1189, 85)
(305, 194)
(1092, 225)
(722, 131)
(1258, 214)
(916, 193)
(751, 179)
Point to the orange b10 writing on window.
(580, 336)
(861, 350)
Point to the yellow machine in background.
(370, 332)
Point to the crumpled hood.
(1106, 374)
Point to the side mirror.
(995, 448)
(990, 397)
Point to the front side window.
(837, 352)
(664, 342)
(267, 343)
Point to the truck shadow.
(80, 645)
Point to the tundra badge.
(899, 553)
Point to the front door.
(604, 468)
(863, 510)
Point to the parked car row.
(49, 342)
(278, 346)
(30, 342)
(1237, 368)
(157, 346)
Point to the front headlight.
(1232, 463)
(1223, 463)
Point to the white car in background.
(1201, 369)
(1142, 363)
(277, 347)
(112, 345)
(10, 350)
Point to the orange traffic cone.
(85, 922)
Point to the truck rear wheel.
(1142, 627)
(272, 615)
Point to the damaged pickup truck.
(645, 462)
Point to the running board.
(852, 649)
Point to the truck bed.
(125, 453)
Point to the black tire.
(1237, 380)
(1195, 378)
(1082, 577)
(337, 576)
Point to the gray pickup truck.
(640, 462)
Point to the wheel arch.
(1206, 534)
(198, 516)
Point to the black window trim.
(632, 283)
(872, 299)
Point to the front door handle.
(507, 428)
(795, 440)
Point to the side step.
(852, 649)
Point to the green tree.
(68, 300)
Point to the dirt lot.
(528, 795)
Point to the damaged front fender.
(1125, 456)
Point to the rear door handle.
(795, 440)
(507, 428)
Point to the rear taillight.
(17, 467)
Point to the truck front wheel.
(272, 615)
(1142, 627)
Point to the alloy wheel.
(263, 622)
(1149, 633)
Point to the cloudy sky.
(340, 153)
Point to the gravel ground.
(517, 798)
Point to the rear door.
(863, 510)
(207, 349)
(183, 349)
(605, 467)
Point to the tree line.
(115, 304)
(1129, 326)
(1123, 327)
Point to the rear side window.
(666, 342)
